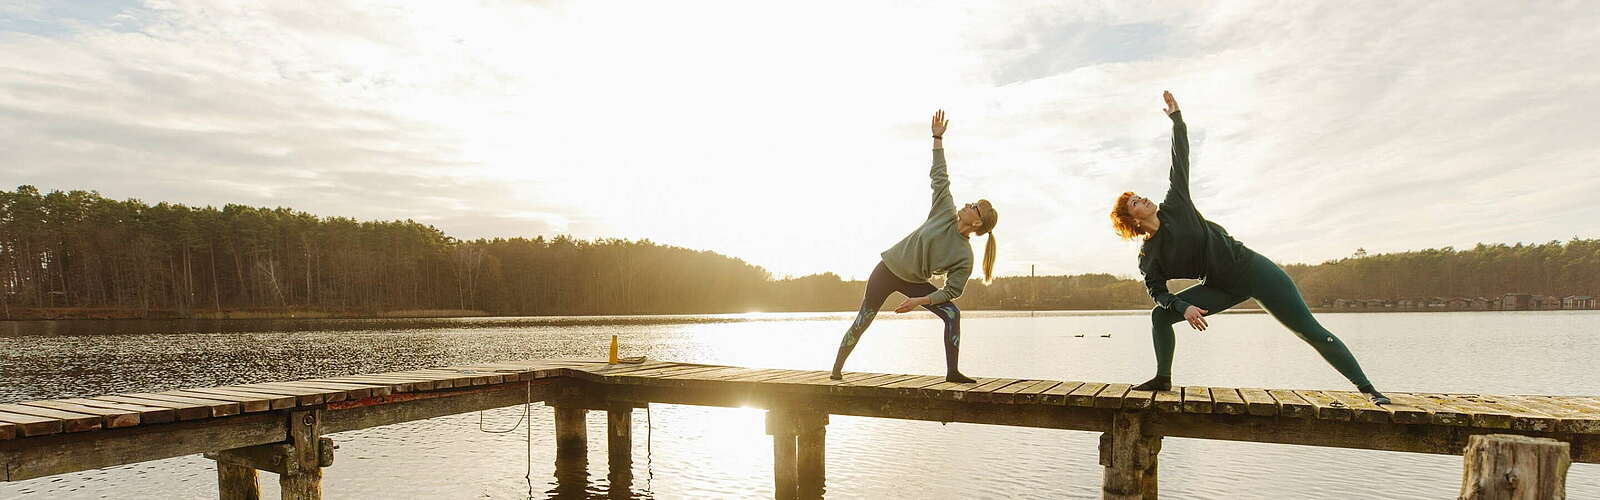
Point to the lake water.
(694, 452)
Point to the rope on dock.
(527, 410)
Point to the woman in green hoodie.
(939, 246)
(1180, 243)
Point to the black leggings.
(1272, 288)
(879, 286)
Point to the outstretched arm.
(1178, 191)
(955, 282)
(942, 200)
(1155, 282)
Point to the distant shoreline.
(64, 314)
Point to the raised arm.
(1178, 191)
(942, 201)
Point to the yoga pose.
(1180, 243)
(938, 247)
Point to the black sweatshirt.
(1187, 245)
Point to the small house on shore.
(1516, 302)
(1578, 302)
(1458, 303)
(1483, 304)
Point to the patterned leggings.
(879, 286)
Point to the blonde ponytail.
(990, 217)
(988, 260)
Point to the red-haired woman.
(1180, 243)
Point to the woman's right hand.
(1172, 104)
(1196, 317)
(939, 123)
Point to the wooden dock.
(280, 426)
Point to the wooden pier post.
(298, 462)
(237, 482)
(1510, 467)
(572, 431)
(304, 480)
(811, 442)
(799, 446)
(619, 440)
(784, 429)
(1129, 457)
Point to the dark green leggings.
(1272, 288)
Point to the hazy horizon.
(795, 137)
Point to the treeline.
(1555, 268)
(78, 249)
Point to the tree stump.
(1510, 467)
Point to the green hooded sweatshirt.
(938, 247)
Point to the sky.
(794, 135)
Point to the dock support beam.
(572, 432)
(619, 446)
(1129, 457)
(799, 442)
(1506, 466)
(298, 462)
(237, 482)
(304, 482)
(812, 443)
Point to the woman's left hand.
(939, 124)
(910, 304)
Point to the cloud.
(794, 136)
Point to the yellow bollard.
(613, 358)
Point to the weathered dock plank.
(1111, 396)
(1477, 416)
(251, 401)
(1291, 404)
(1361, 408)
(31, 425)
(1522, 416)
(303, 397)
(1137, 400)
(1196, 399)
(1227, 401)
(109, 418)
(247, 404)
(1257, 402)
(1032, 393)
(1168, 401)
(1569, 418)
(147, 414)
(1057, 396)
(1084, 394)
(1437, 414)
(910, 387)
(991, 392)
(70, 421)
(1326, 407)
